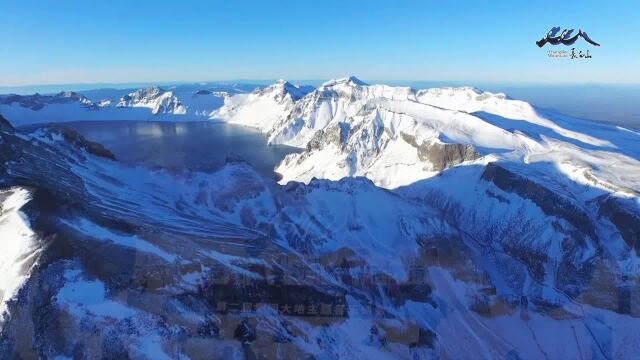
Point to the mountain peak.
(155, 98)
(286, 87)
(67, 94)
(350, 81)
(144, 93)
(151, 90)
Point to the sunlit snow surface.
(19, 248)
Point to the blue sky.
(135, 41)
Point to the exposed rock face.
(144, 94)
(75, 138)
(441, 156)
(336, 134)
(550, 202)
(23, 164)
(5, 124)
(155, 98)
(620, 213)
(572, 275)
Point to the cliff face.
(547, 200)
(623, 213)
(5, 125)
(75, 138)
(440, 156)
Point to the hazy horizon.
(614, 103)
(24, 89)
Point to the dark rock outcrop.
(75, 138)
(334, 134)
(5, 125)
(621, 213)
(245, 332)
(442, 156)
(549, 201)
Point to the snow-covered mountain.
(508, 160)
(397, 135)
(153, 103)
(154, 98)
(439, 223)
(262, 108)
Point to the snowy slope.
(20, 248)
(262, 108)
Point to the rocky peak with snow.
(397, 135)
(281, 89)
(351, 128)
(158, 100)
(347, 81)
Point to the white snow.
(83, 297)
(131, 241)
(20, 248)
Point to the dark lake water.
(202, 146)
